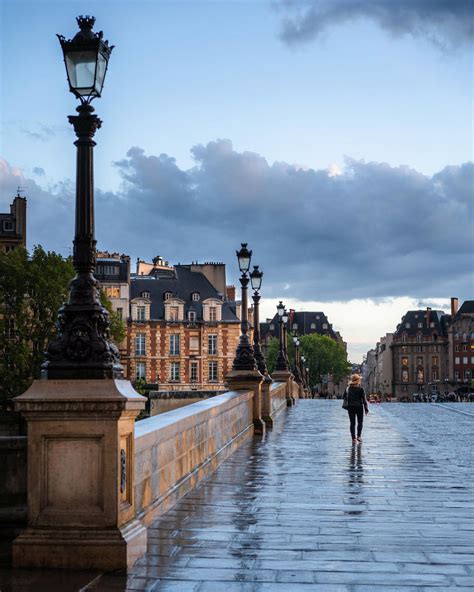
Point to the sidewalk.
(306, 511)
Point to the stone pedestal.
(243, 380)
(81, 512)
(267, 402)
(286, 377)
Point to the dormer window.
(407, 325)
(295, 326)
(420, 325)
(145, 294)
(8, 226)
(317, 317)
(167, 295)
(192, 316)
(325, 325)
(195, 297)
(432, 325)
(272, 327)
(313, 325)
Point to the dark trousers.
(359, 413)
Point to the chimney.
(230, 293)
(454, 306)
(428, 316)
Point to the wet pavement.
(303, 510)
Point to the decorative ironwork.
(123, 470)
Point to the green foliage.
(324, 356)
(271, 353)
(31, 292)
(117, 326)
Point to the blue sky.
(357, 99)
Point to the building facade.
(182, 332)
(13, 225)
(420, 353)
(461, 341)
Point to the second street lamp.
(244, 357)
(296, 372)
(83, 348)
(256, 283)
(281, 364)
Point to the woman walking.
(355, 401)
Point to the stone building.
(182, 332)
(420, 353)
(461, 341)
(13, 225)
(383, 366)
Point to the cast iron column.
(83, 348)
(261, 364)
(281, 364)
(244, 357)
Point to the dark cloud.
(446, 23)
(372, 231)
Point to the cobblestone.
(305, 511)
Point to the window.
(295, 326)
(167, 295)
(464, 360)
(404, 374)
(456, 375)
(464, 348)
(407, 325)
(434, 375)
(457, 360)
(432, 325)
(112, 291)
(10, 330)
(325, 325)
(212, 313)
(175, 371)
(472, 359)
(140, 371)
(195, 296)
(456, 348)
(419, 338)
(193, 371)
(464, 336)
(404, 388)
(110, 269)
(404, 337)
(174, 344)
(8, 225)
(140, 341)
(467, 374)
(420, 325)
(145, 294)
(456, 336)
(434, 360)
(418, 349)
(317, 317)
(419, 361)
(212, 371)
(212, 345)
(192, 316)
(313, 325)
(272, 327)
(120, 313)
(194, 343)
(404, 349)
(174, 313)
(404, 361)
(435, 337)
(141, 310)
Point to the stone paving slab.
(305, 511)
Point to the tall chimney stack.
(454, 306)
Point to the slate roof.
(182, 284)
(122, 275)
(466, 308)
(414, 317)
(304, 320)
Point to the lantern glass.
(256, 278)
(81, 67)
(244, 256)
(295, 340)
(280, 309)
(285, 316)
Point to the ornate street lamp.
(302, 370)
(296, 372)
(83, 348)
(285, 336)
(256, 283)
(281, 362)
(244, 357)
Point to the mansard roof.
(412, 318)
(182, 283)
(466, 308)
(308, 322)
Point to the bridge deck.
(304, 510)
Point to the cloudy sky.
(334, 136)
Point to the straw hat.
(355, 379)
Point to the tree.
(324, 356)
(31, 291)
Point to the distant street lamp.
(83, 348)
(281, 364)
(244, 357)
(256, 283)
(296, 372)
(285, 336)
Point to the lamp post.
(281, 364)
(302, 371)
(244, 357)
(296, 372)
(256, 283)
(83, 349)
(285, 337)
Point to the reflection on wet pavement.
(305, 510)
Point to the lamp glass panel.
(81, 71)
(244, 264)
(256, 282)
(100, 76)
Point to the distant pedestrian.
(355, 401)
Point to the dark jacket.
(355, 397)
